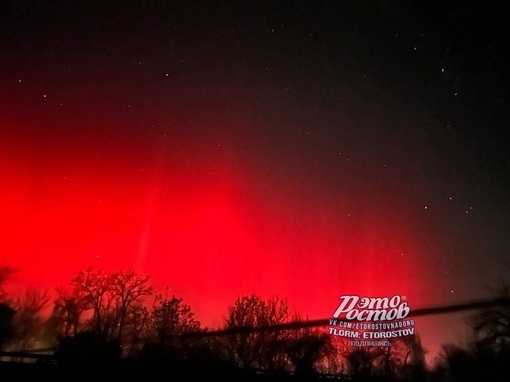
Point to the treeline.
(116, 321)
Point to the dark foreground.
(32, 372)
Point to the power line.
(484, 304)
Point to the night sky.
(305, 149)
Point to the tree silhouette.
(6, 275)
(69, 308)
(112, 297)
(491, 338)
(409, 355)
(458, 363)
(96, 286)
(405, 358)
(171, 317)
(129, 289)
(254, 349)
(297, 350)
(138, 326)
(165, 349)
(6, 311)
(7, 330)
(28, 321)
(307, 348)
(491, 325)
(364, 361)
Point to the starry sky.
(305, 149)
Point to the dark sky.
(306, 149)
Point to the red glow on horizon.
(202, 234)
(206, 228)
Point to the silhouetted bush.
(87, 351)
(7, 330)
